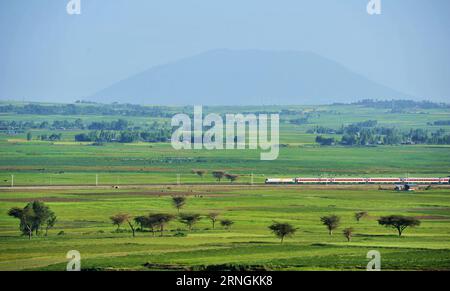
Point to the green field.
(83, 215)
(149, 173)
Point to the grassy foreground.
(83, 215)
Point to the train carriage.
(359, 181)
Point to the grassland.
(83, 215)
(148, 174)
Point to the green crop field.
(83, 215)
(141, 177)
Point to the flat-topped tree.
(190, 219)
(179, 202)
(218, 175)
(331, 222)
(348, 233)
(231, 177)
(213, 217)
(398, 222)
(161, 220)
(200, 173)
(282, 230)
(360, 215)
(122, 218)
(226, 223)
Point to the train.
(276, 181)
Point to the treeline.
(88, 109)
(125, 136)
(366, 134)
(400, 104)
(342, 129)
(440, 123)
(47, 137)
(78, 124)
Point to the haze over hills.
(246, 77)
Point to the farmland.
(147, 175)
(83, 215)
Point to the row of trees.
(398, 222)
(218, 175)
(36, 217)
(126, 136)
(157, 222)
(332, 222)
(78, 124)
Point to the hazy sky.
(45, 54)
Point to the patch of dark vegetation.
(167, 267)
(208, 268)
(231, 268)
(42, 199)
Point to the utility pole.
(251, 179)
(96, 179)
(178, 179)
(12, 181)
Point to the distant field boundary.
(380, 187)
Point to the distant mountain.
(248, 77)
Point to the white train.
(359, 181)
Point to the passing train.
(359, 181)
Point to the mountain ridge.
(246, 77)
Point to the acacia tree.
(226, 223)
(399, 222)
(149, 221)
(199, 173)
(26, 217)
(129, 220)
(231, 177)
(218, 175)
(32, 217)
(118, 219)
(348, 233)
(282, 230)
(42, 214)
(50, 222)
(331, 222)
(190, 219)
(360, 215)
(213, 217)
(161, 220)
(178, 202)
